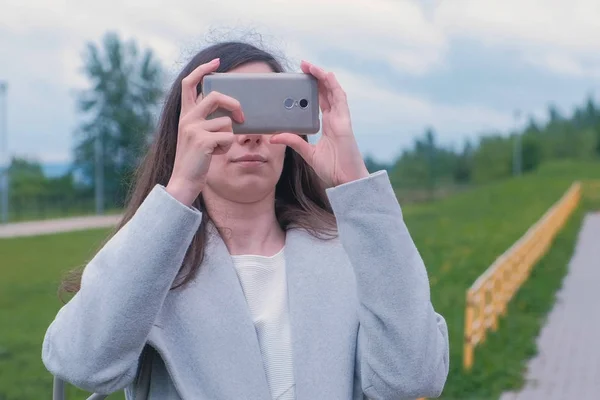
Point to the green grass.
(500, 362)
(462, 235)
(459, 237)
(30, 270)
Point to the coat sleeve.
(96, 339)
(402, 341)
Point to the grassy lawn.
(30, 270)
(462, 235)
(459, 237)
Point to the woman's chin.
(252, 188)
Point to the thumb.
(296, 142)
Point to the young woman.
(253, 266)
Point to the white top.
(264, 283)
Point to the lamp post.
(99, 172)
(4, 158)
(518, 147)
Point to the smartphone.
(271, 102)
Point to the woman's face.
(249, 171)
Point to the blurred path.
(32, 228)
(568, 363)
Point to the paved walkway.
(568, 363)
(32, 228)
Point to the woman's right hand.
(199, 138)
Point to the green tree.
(427, 148)
(426, 165)
(464, 164)
(532, 126)
(27, 178)
(531, 153)
(493, 158)
(413, 168)
(374, 165)
(598, 140)
(117, 110)
(554, 114)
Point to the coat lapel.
(207, 335)
(322, 314)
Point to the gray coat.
(361, 318)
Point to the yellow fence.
(488, 296)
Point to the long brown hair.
(300, 198)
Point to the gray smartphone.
(271, 102)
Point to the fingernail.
(216, 60)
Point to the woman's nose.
(250, 139)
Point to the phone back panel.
(271, 102)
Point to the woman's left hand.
(335, 157)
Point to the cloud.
(396, 32)
(386, 120)
(557, 35)
(46, 39)
(407, 38)
(565, 65)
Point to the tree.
(26, 178)
(374, 165)
(598, 140)
(531, 153)
(117, 111)
(554, 114)
(591, 113)
(493, 158)
(532, 126)
(430, 148)
(427, 165)
(464, 164)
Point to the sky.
(461, 67)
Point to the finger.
(315, 71)
(189, 84)
(215, 100)
(328, 78)
(305, 66)
(323, 91)
(220, 142)
(296, 142)
(323, 98)
(221, 124)
(323, 78)
(338, 98)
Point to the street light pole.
(99, 172)
(4, 158)
(518, 146)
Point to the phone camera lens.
(288, 103)
(303, 103)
